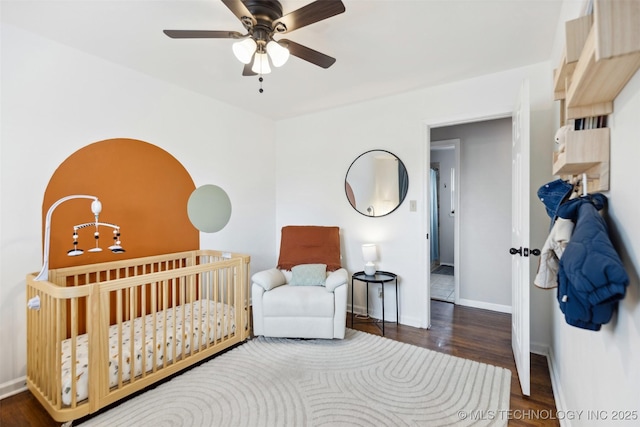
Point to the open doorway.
(480, 211)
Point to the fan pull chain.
(260, 79)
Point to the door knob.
(524, 252)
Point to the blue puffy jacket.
(591, 277)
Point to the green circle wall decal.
(209, 208)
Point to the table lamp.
(369, 255)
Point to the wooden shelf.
(610, 56)
(576, 33)
(596, 84)
(585, 151)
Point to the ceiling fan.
(263, 19)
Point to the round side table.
(381, 277)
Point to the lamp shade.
(278, 54)
(261, 64)
(369, 252)
(369, 255)
(243, 50)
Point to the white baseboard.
(556, 386)
(377, 314)
(485, 305)
(410, 321)
(13, 387)
(541, 349)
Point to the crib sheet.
(198, 314)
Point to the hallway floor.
(442, 284)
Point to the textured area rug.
(363, 380)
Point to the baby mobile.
(96, 208)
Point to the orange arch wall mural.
(143, 189)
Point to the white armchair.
(282, 308)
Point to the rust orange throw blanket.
(309, 244)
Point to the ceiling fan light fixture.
(278, 54)
(243, 50)
(262, 19)
(261, 64)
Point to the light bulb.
(261, 64)
(243, 50)
(278, 54)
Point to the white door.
(520, 239)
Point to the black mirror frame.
(402, 191)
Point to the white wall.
(446, 160)
(485, 210)
(55, 100)
(315, 151)
(600, 371)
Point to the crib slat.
(237, 299)
(174, 316)
(74, 335)
(143, 315)
(99, 348)
(58, 334)
(119, 335)
(31, 335)
(216, 300)
(183, 284)
(44, 363)
(154, 330)
(165, 305)
(205, 316)
(132, 331)
(227, 303)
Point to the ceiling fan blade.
(202, 34)
(240, 10)
(309, 14)
(308, 54)
(247, 70)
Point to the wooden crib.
(104, 331)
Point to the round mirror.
(376, 183)
(209, 208)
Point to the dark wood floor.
(481, 335)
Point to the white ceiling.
(382, 47)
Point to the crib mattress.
(219, 318)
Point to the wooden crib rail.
(174, 296)
(84, 274)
